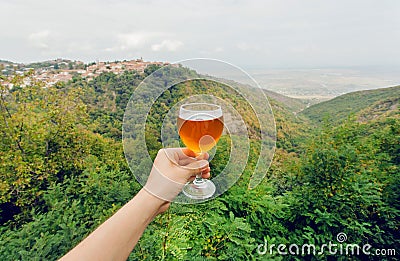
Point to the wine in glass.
(200, 126)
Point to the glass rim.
(216, 107)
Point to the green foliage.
(349, 182)
(291, 128)
(42, 132)
(340, 108)
(292, 104)
(45, 140)
(75, 208)
(208, 230)
(106, 97)
(63, 173)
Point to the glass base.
(199, 189)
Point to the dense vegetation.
(340, 108)
(63, 173)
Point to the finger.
(187, 161)
(175, 155)
(170, 153)
(184, 162)
(197, 166)
(206, 175)
(203, 156)
(206, 170)
(185, 152)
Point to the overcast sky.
(250, 34)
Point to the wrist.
(161, 186)
(151, 200)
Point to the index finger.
(184, 153)
(199, 156)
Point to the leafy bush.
(63, 174)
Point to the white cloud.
(167, 45)
(79, 46)
(143, 40)
(248, 47)
(133, 40)
(40, 39)
(263, 33)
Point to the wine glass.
(200, 126)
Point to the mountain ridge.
(359, 103)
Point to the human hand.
(172, 169)
(116, 237)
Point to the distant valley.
(316, 85)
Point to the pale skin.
(117, 236)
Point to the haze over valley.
(317, 85)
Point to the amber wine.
(201, 132)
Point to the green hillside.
(63, 173)
(6, 62)
(340, 108)
(292, 104)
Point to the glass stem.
(198, 180)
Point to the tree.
(42, 139)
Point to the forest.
(63, 173)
